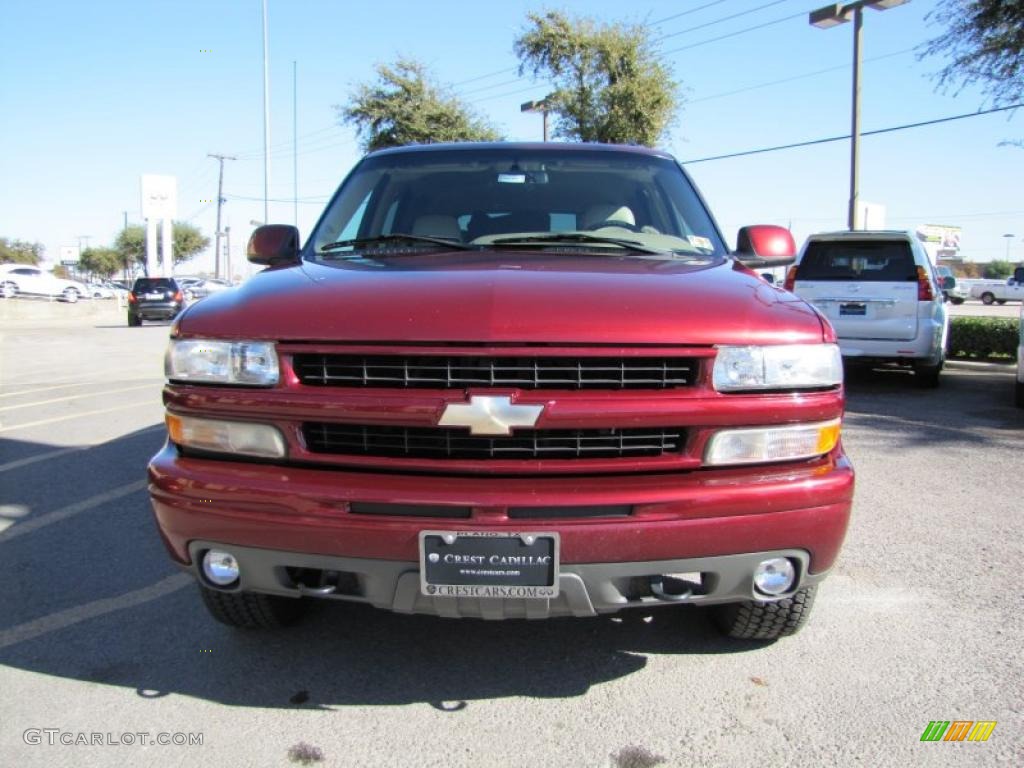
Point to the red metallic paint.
(507, 297)
(676, 515)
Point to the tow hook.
(658, 590)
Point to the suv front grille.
(441, 443)
(448, 372)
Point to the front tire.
(70, 295)
(957, 301)
(752, 620)
(9, 290)
(250, 610)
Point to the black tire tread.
(753, 620)
(249, 610)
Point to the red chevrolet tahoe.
(507, 381)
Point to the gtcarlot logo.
(53, 736)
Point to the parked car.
(27, 280)
(1019, 390)
(1000, 291)
(953, 290)
(201, 287)
(99, 291)
(879, 291)
(507, 381)
(154, 298)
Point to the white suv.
(32, 281)
(880, 292)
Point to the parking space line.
(18, 463)
(79, 383)
(48, 518)
(79, 415)
(75, 397)
(92, 610)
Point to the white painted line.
(75, 397)
(78, 383)
(18, 463)
(95, 609)
(41, 521)
(78, 415)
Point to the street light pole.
(538, 106)
(831, 16)
(1009, 239)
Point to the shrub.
(983, 337)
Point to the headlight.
(237, 437)
(766, 444)
(784, 366)
(222, 362)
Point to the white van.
(881, 294)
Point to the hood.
(507, 297)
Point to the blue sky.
(96, 94)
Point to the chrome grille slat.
(339, 370)
(434, 443)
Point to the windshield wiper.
(581, 237)
(397, 237)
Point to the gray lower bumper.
(584, 589)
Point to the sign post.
(159, 202)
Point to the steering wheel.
(613, 223)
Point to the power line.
(735, 34)
(495, 73)
(721, 20)
(794, 78)
(683, 13)
(830, 139)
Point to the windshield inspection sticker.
(700, 242)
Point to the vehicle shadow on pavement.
(90, 594)
(971, 406)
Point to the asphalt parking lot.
(921, 619)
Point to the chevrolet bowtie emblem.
(490, 415)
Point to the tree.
(20, 252)
(984, 42)
(998, 269)
(609, 83)
(187, 242)
(103, 262)
(405, 106)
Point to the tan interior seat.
(436, 225)
(607, 212)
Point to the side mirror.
(765, 245)
(948, 283)
(768, 277)
(274, 245)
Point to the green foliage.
(983, 336)
(187, 242)
(102, 262)
(405, 106)
(998, 269)
(20, 252)
(984, 44)
(610, 84)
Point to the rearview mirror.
(765, 245)
(274, 245)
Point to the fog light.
(220, 568)
(775, 576)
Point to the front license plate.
(488, 564)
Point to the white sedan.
(24, 279)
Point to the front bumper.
(584, 589)
(290, 517)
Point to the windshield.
(527, 198)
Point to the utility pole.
(227, 253)
(126, 219)
(220, 201)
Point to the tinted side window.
(882, 261)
